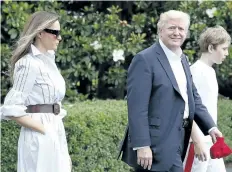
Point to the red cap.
(220, 149)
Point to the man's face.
(174, 33)
(218, 55)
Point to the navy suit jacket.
(156, 109)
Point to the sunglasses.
(54, 32)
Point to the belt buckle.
(56, 108)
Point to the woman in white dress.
(34, 101)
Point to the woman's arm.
(25, 73)
(28, 122)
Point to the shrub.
(225, 122)
(94, 130)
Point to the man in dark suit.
(163, 102)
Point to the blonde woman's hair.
(213, 36)
(37, 22)
(172, 14)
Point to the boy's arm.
(198, 142)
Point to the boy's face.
(219, 53)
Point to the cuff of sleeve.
(136, 148)
(12, 110)
(211, 129)
(141, 142)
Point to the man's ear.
(159, 31)
(210, 48)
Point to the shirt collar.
(204, 65)
(170, 55)
(36, 52)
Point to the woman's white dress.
(37, 80)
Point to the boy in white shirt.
(214, 44)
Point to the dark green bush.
(85, 55)
(225, 122)
(94, 130)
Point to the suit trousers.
(173, 169)
(177, 164)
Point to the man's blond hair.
(213, 36)
(172, 14)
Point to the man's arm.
(139, 85)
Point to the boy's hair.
(213, 36)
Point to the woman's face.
(50, 37)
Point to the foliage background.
(91, 72)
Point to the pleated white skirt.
(44, 152)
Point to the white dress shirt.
(179, 73)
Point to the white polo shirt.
(204, 78)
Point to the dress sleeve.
(24, 77)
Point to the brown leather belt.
(44, 108)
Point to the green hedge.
(225, 122)
(94, 130)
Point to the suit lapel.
(167, 67)
(189, 87)
(187, 71)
